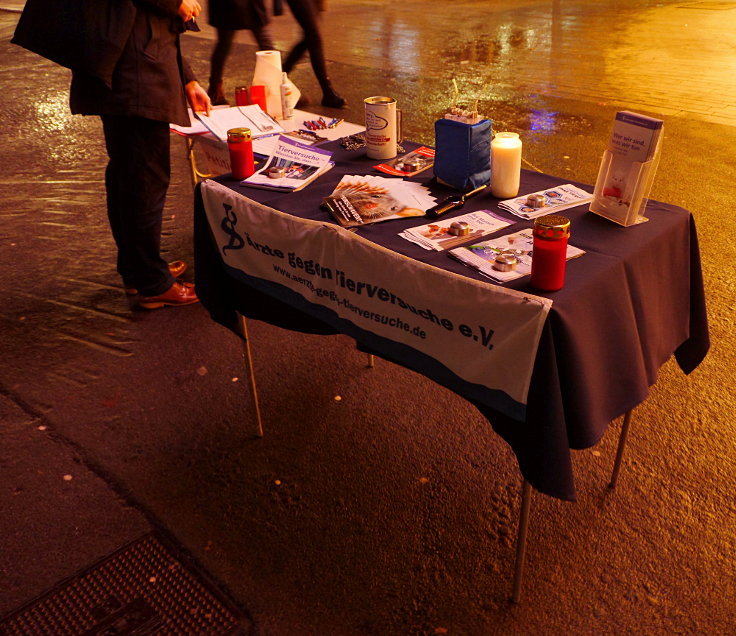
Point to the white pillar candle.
(505, 165)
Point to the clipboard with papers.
(263, 127)
(220, 120)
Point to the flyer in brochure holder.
(627, 168)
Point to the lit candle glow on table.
(505, 165)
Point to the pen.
(271, 118)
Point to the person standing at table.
(229, 16)
(151, 84)
(305, 13)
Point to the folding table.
(632, 301)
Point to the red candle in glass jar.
(549, 252)
(241, 96)
(240, 145)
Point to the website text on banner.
(484, 334)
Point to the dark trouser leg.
(137, 178)
(305, 13)
(296, 54)
(263, 37)
(219, 55)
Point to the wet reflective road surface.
(367, 515)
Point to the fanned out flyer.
(359, 200)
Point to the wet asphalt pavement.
(393, 510)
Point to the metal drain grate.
(141, 589)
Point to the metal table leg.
(251, 373)
(196, 175)
(620, 450)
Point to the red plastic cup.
(241, 96)
(258, 96)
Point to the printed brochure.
(359, 200)
(481, 256)
(410, 164)
(437, 236)
(291, 166)
(556, 199)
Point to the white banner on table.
(483, 333)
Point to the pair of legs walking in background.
(228, 16)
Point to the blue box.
(462, 153)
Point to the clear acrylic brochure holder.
(625, 202)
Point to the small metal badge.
(411, 165)
(536, 201)
(459, 228)
(505, 263)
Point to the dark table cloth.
(633, 300)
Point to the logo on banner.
(228, 226)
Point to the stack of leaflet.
(362, 199)
(555, 200)
(439, 235)
(291, 166)
(482, 256)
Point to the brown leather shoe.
(178, 294)
(332, 100)
(177, 268)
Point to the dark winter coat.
(237, 14)
(149, 78)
